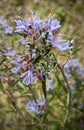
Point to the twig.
(69, 94)
(67, 84)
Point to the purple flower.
(80, 70)
(8, 30)
(49, 84)
(51, 37)
(22, 41)
(16, 69)
(26, 27)
(18, 64)
(71, 63)
(54, 25)
(35, 106)
(60, 44)
(2, 21)
(51, 24)
(41, 101)
(29, 22)
(37, 23)
(6, 27)
(63, 46)
(39, 75)
(20, 25)
(9, 52)
(32, 107)
(27, 76)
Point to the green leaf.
(4, 58)
(44, 86)
(76, 50)
(59, 83)
(21, 87)
(1, 85)
(47, 51)
(37, 59)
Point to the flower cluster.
(43, 30)
(5, 27)
(36, 61)
(36, 107)
(73, 63)
(40, 36)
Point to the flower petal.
(26, 80)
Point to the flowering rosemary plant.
(45, 82)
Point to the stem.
(69, 94)
(67, 84)
(65, 61)
(65, 78)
